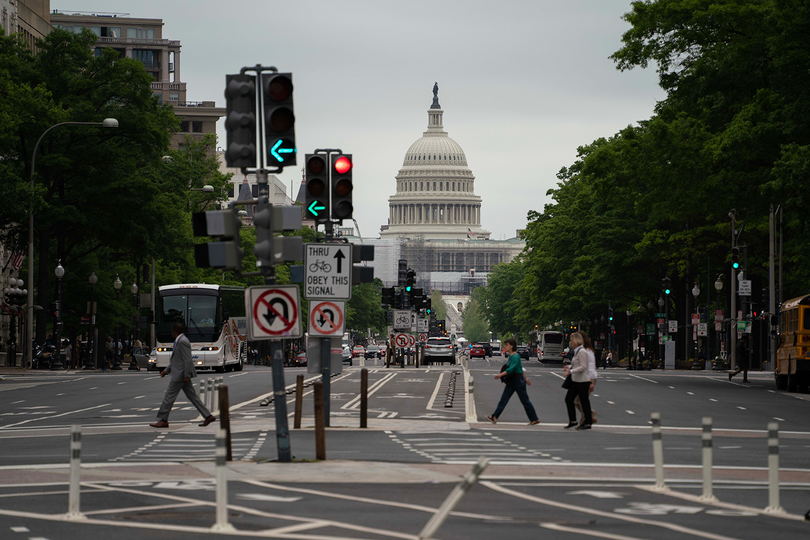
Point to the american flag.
(469, 233)
(17, 260)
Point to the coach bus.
(792, 359)
(550, 346)
(215, 323)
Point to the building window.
(454, 186)
(146, 57)
(174, 96)
(159, 96)
(196, 127)
(421, 186)
(434, 186)
(440, 186)
(141, 33)
(184, 126)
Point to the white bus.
(214, 318)
(550, 346)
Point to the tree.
(364, 310)
(437, 305)
(475, 325)
(500, 301)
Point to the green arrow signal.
(276, 151)
(314, 209)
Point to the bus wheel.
(781, 382)
(238, 367)
(219, 369)
(793, 382)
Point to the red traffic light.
(343, 165)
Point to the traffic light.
(410, 280)
(316, 178)
(416, 297)
(610, 314)
(240, 120)
(397, 300)
(263, 224)
(402, 272)
(222, 224)
(388, 296)
(342, 187)
(428, 307)
(665, 285)
(279, 120)
(735, 257)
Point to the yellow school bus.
(793, 356)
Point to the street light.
(135, 301)
(60, 273)
(106, 123)
(91, 338)
(116, 360)
(718, 285)
(695, 294)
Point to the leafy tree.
(475, 325)
(437, 305)
(499, 301)
(364, 310)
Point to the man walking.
(182, 371)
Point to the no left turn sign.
(326, 318)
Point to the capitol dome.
(435, 196)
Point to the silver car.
(439, 349)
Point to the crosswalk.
(181, 446)
(465, 447)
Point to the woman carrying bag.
(514, 381)
(580, 384)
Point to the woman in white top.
(581, 383)
(586, 343)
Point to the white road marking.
(672, 387)
(742, 408)
(587, 532)
(20, 529)
(138, 397)
(691, 393)
(15, 402)
(643, 378)
(629, 412)
(611, 403)
(55, 416)
(712, 399)
(777, 418)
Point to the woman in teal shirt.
(515, 382)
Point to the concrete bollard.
(707, 460)
(222, 524)
(472, 415)
(364, 398)
(658, 450)
(773, 469)
(203, 397)
(75, 473)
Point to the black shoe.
(570, 425)
(584, 427)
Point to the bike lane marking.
(55, 416)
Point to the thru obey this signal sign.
(326, 318)
(273, 312)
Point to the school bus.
(793, 355)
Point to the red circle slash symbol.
(279, 308)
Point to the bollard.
(222, 524)
(299, 401)
(320, 436)
(203, 397)
(773, 468)
(470, 408)
(209, 393)
(225, 419)
(453, 499)
(364, 398)
(658, 451)
(707, 460)
(75, 472)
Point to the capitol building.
(435, 218)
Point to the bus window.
(202, 316)
(805, 319)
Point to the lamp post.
(641, 322)
(60, 273)
(695, 294)
(107, 123)
(718, 286)
(91, 338)
(14, 298)
(661, 303)
(116, 360)
(135, 301)
(629, 314)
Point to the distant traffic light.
(735, 257)
(428, 307)
(665, 285)
(263, 225)
(240, 120)
(279, 119)
(342, 186)
(410, 280)
(388, 296)
(402, 272)
(223, 224)
(315, 179)
(610, 314)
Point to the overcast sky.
(522, 83)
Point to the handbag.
(567, 382)
(506, 378)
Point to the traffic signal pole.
(733, 333)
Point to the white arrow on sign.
(599, 494)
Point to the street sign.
(402, 340)
(718, 315)
(411, 340)
(328, 271)
(402, 319)
(650, 329)
(718, 326)
(673, 326)
(273, 312)
(423, 338)
(326, 318)
(744, 327)
(745, 287)
(703, 329)
(422, 324)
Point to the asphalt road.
(569, 483)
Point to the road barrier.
(222, 524)
(75, 473)
(453, 499)
(706, 437)
(773, 469)
(208, 388)
(658, 451)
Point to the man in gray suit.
(182, 371)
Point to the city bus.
(550, 346)
(215, 323)
(792, 371)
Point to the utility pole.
(733, 314)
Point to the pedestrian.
(742, 359)
(586, 343)
(108, 352)
(515, 381)
(182, 371)
(580, 384)
(608, 362)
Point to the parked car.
(372, 351)
(477, 350)
(347, 355)
(439, 349)
(524, 352)
(140, 358)
(358, 351)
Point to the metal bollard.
(658, 451)
(203, 397)
(773, 468)
(209, 384)
(75, 473)
(222, 524)
(707, 460)
(364, 398)
(225, 419)
(320, 435)
(299, 401)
